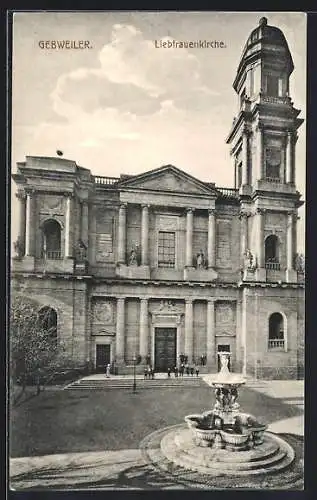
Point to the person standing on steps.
(108, 370)
(168, 372)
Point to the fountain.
(226, 440)
(225, 426)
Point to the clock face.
(53, 202)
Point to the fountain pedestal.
(224, 441)
(225, 426)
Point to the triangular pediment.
(168, 178)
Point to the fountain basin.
(192, 420)
(227, 380)
(243, 433)
(226, 426)
(235, 441)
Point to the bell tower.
(263, 140)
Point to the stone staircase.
(160, 382)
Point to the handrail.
(276, 266)
(105, 181)
(228, 192)
(52, 254)
(276, 343)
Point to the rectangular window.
(272, 86)
(166, 249)
(280, 87)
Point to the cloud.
(134, 76)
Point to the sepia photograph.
(157, 279)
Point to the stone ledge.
(133, 272)
(192, 274)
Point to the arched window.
(276, 331)
(48, 321)
(271, 252)
(51, 240)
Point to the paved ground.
(100, 449)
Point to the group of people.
(149, 372)
(183, 368)
(202, 360)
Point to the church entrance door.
(165, 349)
(102, 357)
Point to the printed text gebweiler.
(64, 44)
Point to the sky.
(125, 106)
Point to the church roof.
(264, 39)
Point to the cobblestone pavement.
(130, 468)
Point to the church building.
(162, 264)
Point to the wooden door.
(102, 357)
(165, 349)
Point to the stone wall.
(262, 361)
(69, 299)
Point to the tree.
(35, 352)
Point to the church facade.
(162, 264)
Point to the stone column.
(189, 340)
(29, 225)
(145, 235)
(293, 152)
(120, 331)
(84, 222)
(245, 157)
(92, 240)
(260, 163)
(289, 166)
(235, 169)
(260, 237)
(295, 219)
(290, 251)
(122, 234)
(244, 233)
(244, 332)
(211, 238)
(238, 335)
(144, 329)
(211, 344)
(68, 243)
(22, 209)
(189, 237)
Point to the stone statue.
(18, 248)
(166, 304)
(234, 395)
(249, 260)
(200, 260)
(300, 263)
(81, 251)
(133, 261)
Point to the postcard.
(158, 250)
